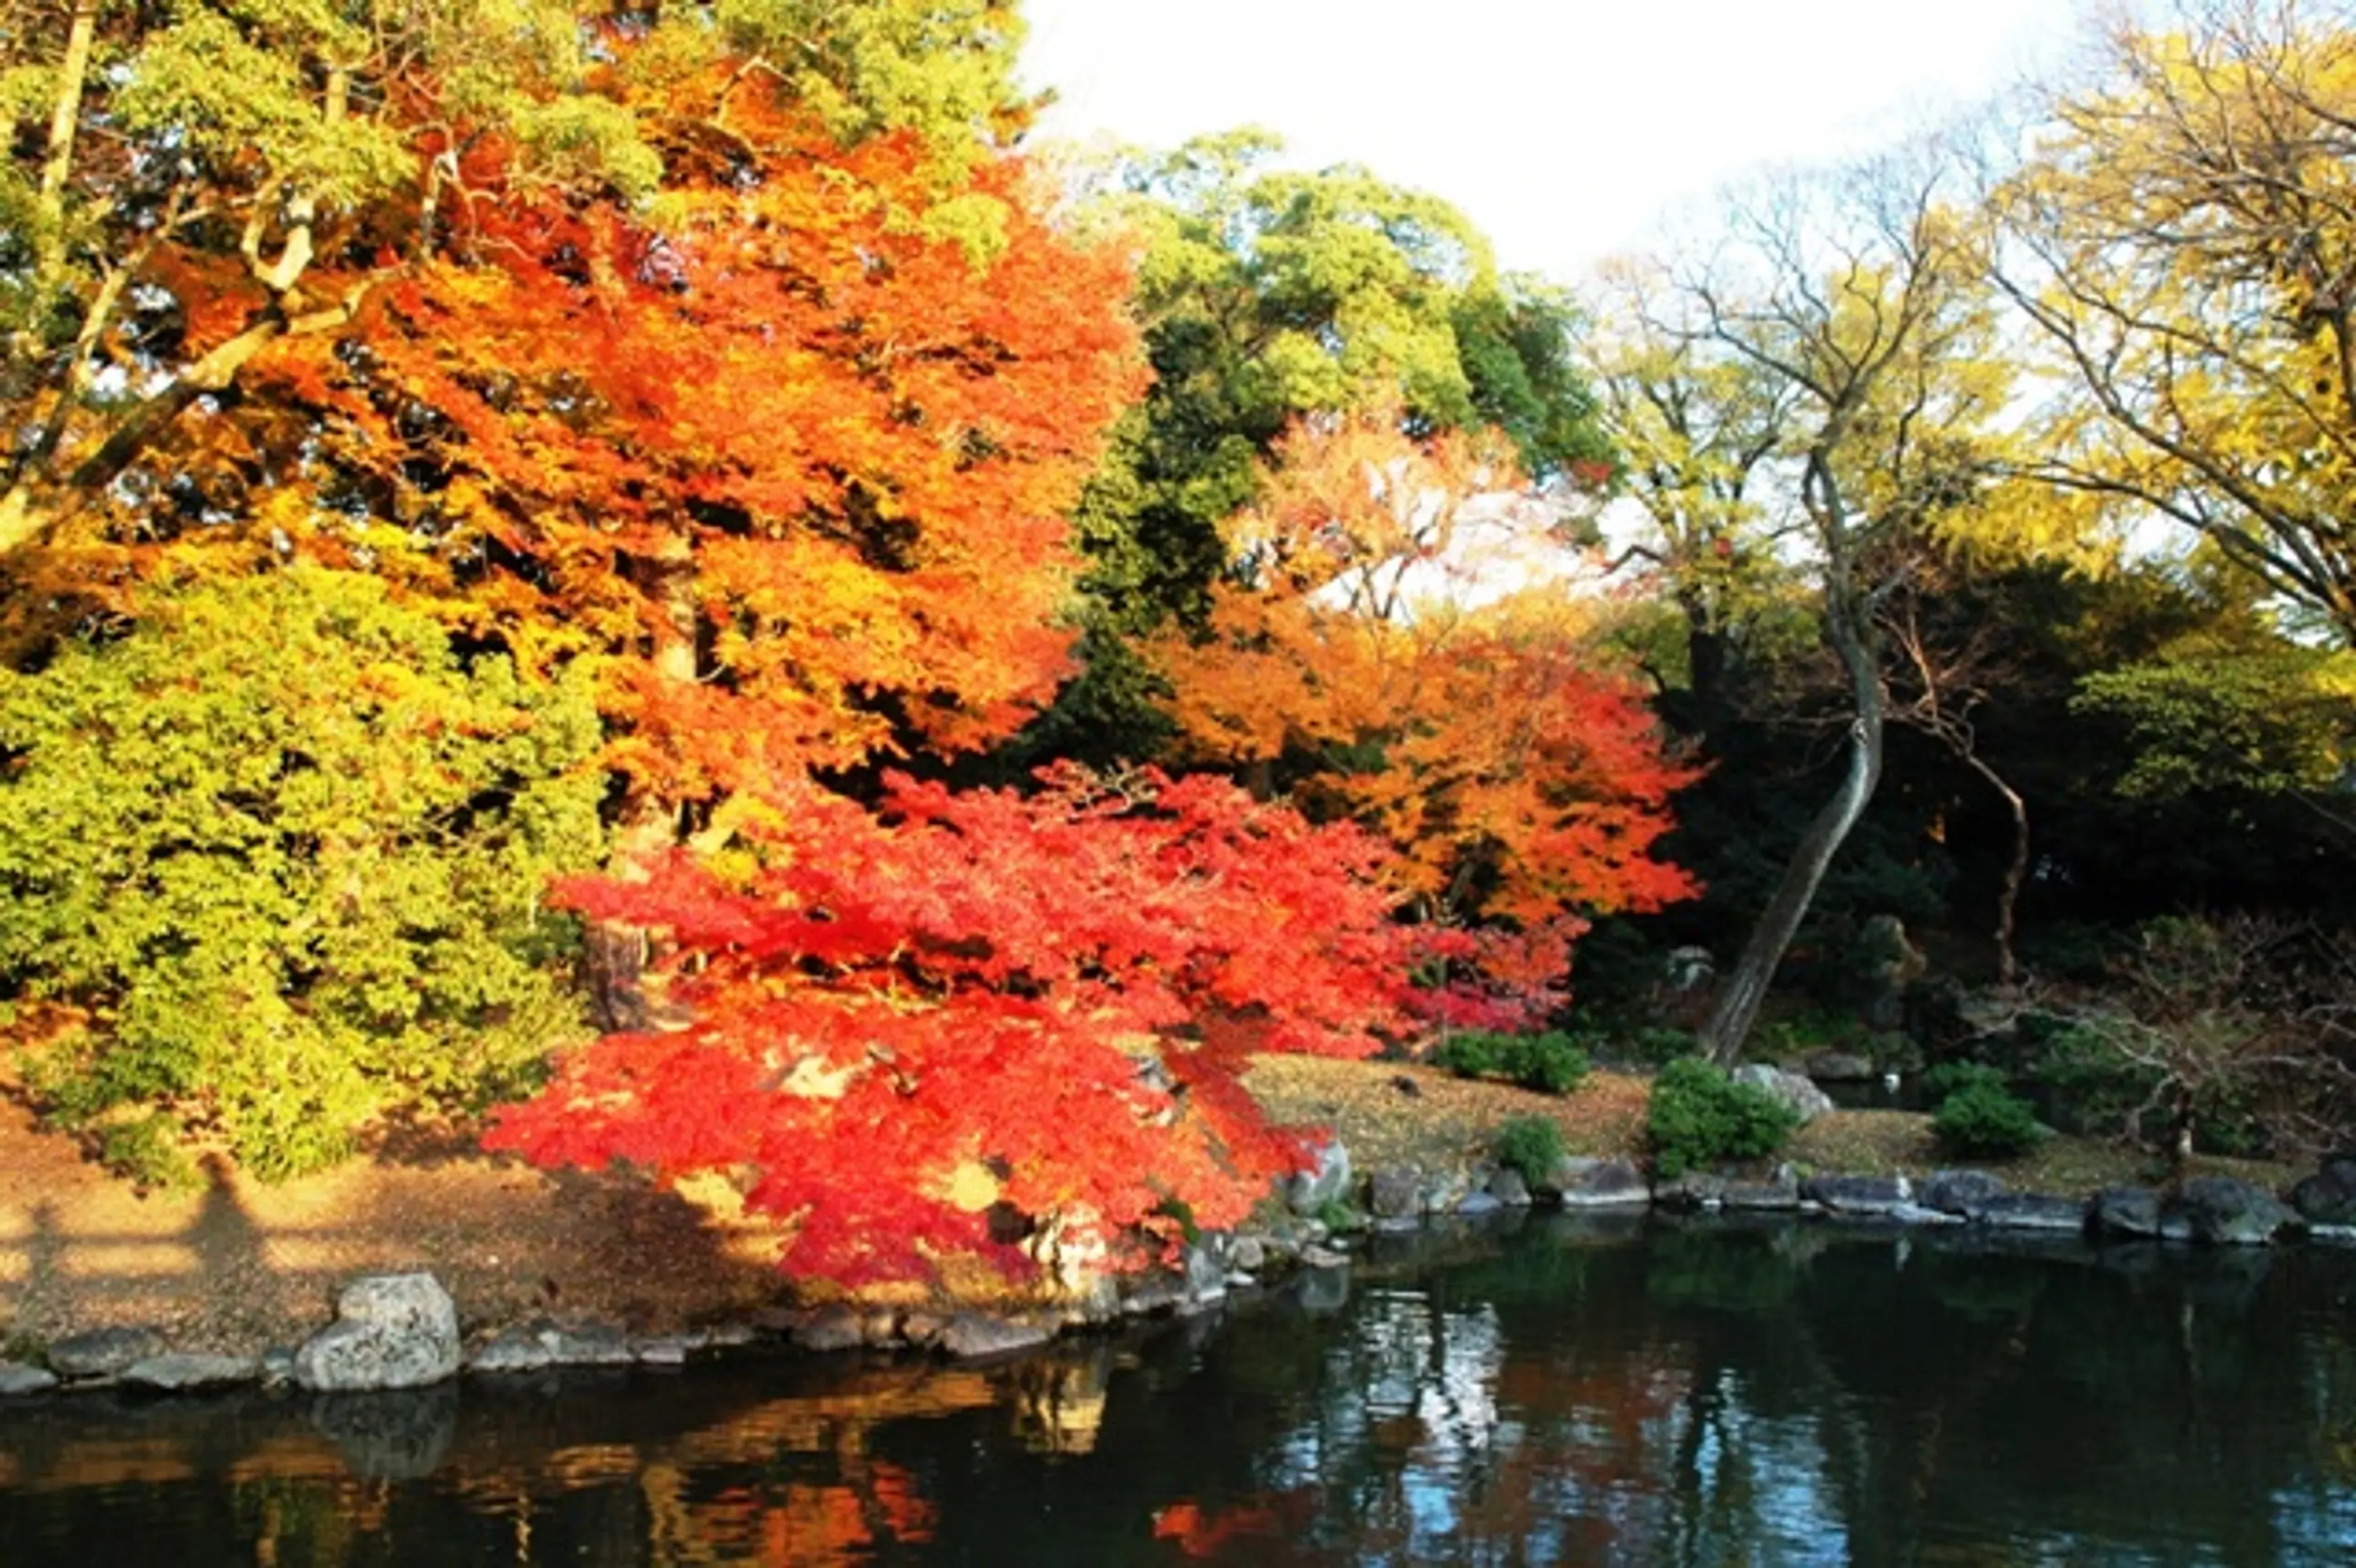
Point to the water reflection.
(1691, 1394)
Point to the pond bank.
(548, 1270)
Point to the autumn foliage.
(794, 458)
(987, 999)
(1366, 647)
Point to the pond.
(1696, 1394)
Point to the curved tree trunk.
(1744, 990)
(2015, 873)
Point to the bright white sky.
(1566, 129)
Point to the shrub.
(1530, 1145)
(1550, 1063)
(275, 862)
(1983, 1120)
(1656, 1045)
(1950, 1078)
(1699, 1116)
(1474, 1053)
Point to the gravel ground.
(242, 1265)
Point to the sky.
(1566, 129)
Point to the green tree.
(1268, 294)
(274, 862)
(1845, 362)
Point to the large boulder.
(1961, 1193)
(2032, 1211)
(1795, 1092)
(2138, 1214)
(1393, 1196)
(1879, 1196)
(392, 1330)
(2225, 1212)
(2326, 1198)
(1325, 1181)
(978, 1335)
(1585, 1182)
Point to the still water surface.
(1685, 1394)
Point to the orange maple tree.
(988, 1002)
(1368, 646)
(790, 456)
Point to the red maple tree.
(987, 1000)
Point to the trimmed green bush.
(1699, 1116)
(1530, 1145)
(275, 862)
(1950, 1078)
(1550, 1063)
(1985, 1120)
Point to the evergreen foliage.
(1699, 1116)
(273, 865)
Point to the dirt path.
(241, 1265)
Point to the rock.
(1445, 1193)
(1585, 1182)
(397, 1330)
(1473, 1205)
(277, 1366)
(1918, 1214)
(1326, 1181)
(590, 1345)
(1143, 1296)
(2225, 1212)
(1393, 1195)
(1507, 1187)
(178, 1373)
(1779, 1193)
(2129, 1211)
(1962, 1192)
(924, 1330)
(970, 1336)
(513, 1350)
(1317, 1257)
(1689, 969)
(2032, 1211)
(665, 1349)
(102, 1352)
(1097, 1301)
(2326, 1198)
(1793, 1091)
(1207, 1273)
(17, 1378)
(1886, 964)
(1860, 1196)
(1840, 1067)
(728, 1336)
(830, 1328)
(1696, 1190)
(1250, 1254)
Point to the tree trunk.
(2015, 873)
(1745, 989)
(625, 997)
